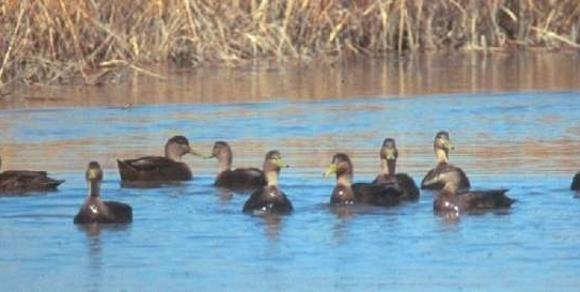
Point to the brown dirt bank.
(93, 42)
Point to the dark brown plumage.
(442, 145)
(96, 211)
(388, 157)
(159, 169)
(575, 186)
(18, 182)
(451, 200)
(270, 199)
(235, 179)
(347, 193)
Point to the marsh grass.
(93, 42)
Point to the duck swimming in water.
(96, 211)
(270, 199)
(452, 201)
(442, 145)
(157, 168)
(388, 157)
(347, 193)
(575, 186)
(16, 182)
(235, 179)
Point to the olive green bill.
(280, 163)
(331, 169)
(92, 173)
(390, 154)
(447, 144)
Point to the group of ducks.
(388, 188)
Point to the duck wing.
(19, 181)
(408, 185)
(376, 194)
(256, 201)
(119, 212)
(241, 178)
(429, 182)
(154, 168)
(268, 200)
(481, 200)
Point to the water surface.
(194, 236)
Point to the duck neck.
(442, 155)
(449, 190)
(225, 161)
(272, 178)
(388, 167)
(94, 189)
(171, 152)
(344, 179)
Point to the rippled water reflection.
(193, 236)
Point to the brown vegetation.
(59, 41)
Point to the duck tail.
(53, 183)
(503, 200)
(126, 171)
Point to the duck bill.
(448, 145)
(280, 163)
(208, 156)
(92, 174)
(390, 154)
(331, 169)
(195, 153)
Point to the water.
(194, 236)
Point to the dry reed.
(89, 41)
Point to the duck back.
(474, 201)
(153, 168)
(23, 181)
(441, 168)
(376, 194)
(242, 179)
(104, 212)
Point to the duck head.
(342, 167)
(388, 156)
(222, 151)
(178, 146)
(442, 145)
(272, 164)
(94, 176)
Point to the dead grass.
(92, 42)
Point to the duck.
(17, 182)
(453, 200)
(347, 193)
(238, 178)
(270, 199)
(388, 157)
(168, 168)
(94, 210)
(442, 145)
(575, 186)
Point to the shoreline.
(59, 42)
(394, 76)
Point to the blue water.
(194, 237)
